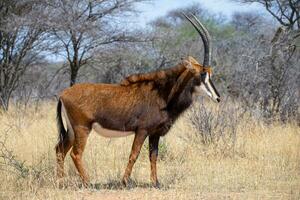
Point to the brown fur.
(154, 76)
(147, 104)
(164, 74)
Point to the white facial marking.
(110, 133)
(212, 92)
(207, 88)
(202, 86)
(207, 78)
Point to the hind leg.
(81, 135)
(62, 149)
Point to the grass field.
(264, 163)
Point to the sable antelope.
(142, 104)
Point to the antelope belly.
(108, 132)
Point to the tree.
(286, 12)
(247, 21)
(87, 25)
(20, 34)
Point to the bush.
(216, 125)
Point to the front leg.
(153, 152)
(138, 142)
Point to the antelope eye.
(203, 75)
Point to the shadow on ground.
(117, 185)
(109, 185)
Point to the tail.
(62, 133)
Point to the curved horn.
(204, 36)
(208, 38)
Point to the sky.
(158, 8)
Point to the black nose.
(218, 99)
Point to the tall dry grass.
(264, 162)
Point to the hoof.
(155, 185)
(86, 185)
(127, 182)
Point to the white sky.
(150, 11)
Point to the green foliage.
(216, 29)
(185, 33)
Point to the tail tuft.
(62, 133)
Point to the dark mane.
(156, 76)
(170, 83)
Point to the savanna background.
(246, 147)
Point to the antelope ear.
(124, 82)
(187, 64)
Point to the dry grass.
(264, 164)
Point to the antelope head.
(202, 81)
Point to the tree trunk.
(74, 65)
(73, 76)
(4, 102)
(298, 20)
